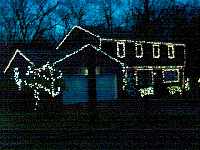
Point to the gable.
(77, 38)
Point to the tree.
(26, 20)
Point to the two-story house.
(98, 69)
(153, 65)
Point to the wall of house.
(110, 46)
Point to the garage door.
(106, 87)
(76, 89)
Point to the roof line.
(142, 41)
(13, 57)
(87, 31)
(82, 48)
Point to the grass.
(114, 126)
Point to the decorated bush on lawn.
(43, 81)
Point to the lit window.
(171, 53)
(138, 50)
(156, 51)
(120, 49)
(170, 75)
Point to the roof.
(87, 47)
(77, 38)
(17, 54)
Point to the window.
(144, 78)
(139, 50)
(120, 49)
(171, 53)
(170, 75)
(156, 51)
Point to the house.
(155, 67)
(96, 69)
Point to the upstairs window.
(170, 75)
(156, 51)
(171, 53)
(138, 50)
(120, 49)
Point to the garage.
(106, 86)
(76, 86)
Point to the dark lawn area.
(153, 124)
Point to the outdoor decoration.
(146, 91)
(44, 79)
(174, 89)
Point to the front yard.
(174, 125)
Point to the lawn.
(175, 126)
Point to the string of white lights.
(142, 42)
(33, 75)
(146, 91)
(171, 70)
(174, 89)
(156, 51)
(87, 31)
(119, 50)
(171, 51)
(139, 50)
(13, 57)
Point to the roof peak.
(80, 28)
(17, 51)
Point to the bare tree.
(26, 20)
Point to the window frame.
(118, 49)
(137, 76)
(172, 81)
(156, 45)
(136, 50)
(173, 51)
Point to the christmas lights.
(125, 77)
(13, 57)
(17, 79)
(146, 91)
(174, 89)
(171, 70)
(82, 48)
(138, 50)
(141, 42)
(120, 48)
(171, 52)
(143, 69)
(45, 73)
(71, 32)
(187, 84)
(46, 82)
(156, 50)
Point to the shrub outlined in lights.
(146, 91)
(174, 89)
(44, 79)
